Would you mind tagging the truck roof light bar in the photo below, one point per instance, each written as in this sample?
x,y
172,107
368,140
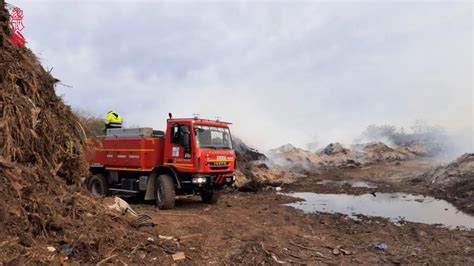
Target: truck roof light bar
x,y
201,119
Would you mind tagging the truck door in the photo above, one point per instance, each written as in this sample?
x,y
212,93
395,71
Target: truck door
x,y
180,154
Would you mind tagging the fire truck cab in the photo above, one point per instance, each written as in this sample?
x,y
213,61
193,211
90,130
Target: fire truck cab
x,y
194,156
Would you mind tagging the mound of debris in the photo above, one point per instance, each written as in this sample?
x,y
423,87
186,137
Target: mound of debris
x,y
336,155
375,152
454,181
335,148
45,216
296,159
255,172
245,153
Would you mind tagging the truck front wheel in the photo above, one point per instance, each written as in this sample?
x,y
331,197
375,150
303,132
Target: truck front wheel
x,y
210,196
98,185
164,192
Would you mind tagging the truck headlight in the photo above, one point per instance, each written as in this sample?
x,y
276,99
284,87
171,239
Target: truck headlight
x,y
199,180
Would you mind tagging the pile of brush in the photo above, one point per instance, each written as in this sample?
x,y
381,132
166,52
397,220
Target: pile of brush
x,y
45,214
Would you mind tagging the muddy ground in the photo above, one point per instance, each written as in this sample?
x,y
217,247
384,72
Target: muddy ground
x,y
254,228
388,176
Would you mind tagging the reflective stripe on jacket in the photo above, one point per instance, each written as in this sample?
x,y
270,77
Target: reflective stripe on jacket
x,y
113,118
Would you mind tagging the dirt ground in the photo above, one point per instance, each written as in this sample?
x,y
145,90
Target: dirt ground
x,y
389,176
254,228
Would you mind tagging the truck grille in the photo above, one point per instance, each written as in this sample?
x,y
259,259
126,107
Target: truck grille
x,y
219,165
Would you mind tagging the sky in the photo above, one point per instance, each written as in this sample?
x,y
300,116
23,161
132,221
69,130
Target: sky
x,y
280,71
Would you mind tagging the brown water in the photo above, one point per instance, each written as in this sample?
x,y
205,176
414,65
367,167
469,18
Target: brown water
x,y
394,206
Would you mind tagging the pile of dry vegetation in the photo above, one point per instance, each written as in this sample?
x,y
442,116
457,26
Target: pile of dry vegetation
x,y
44,213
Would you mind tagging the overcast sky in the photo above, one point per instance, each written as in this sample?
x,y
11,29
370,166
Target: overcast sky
x,y
281,72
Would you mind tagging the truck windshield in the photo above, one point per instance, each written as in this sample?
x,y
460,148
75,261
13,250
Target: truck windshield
x,y
213,137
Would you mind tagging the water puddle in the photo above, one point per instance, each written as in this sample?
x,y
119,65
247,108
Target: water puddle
x,y
352,183
395,206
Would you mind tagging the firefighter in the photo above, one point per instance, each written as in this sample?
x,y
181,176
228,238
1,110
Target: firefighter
x,y
113,120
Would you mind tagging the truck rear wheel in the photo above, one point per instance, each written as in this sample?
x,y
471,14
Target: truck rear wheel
x,y
210,196
98,185
164,192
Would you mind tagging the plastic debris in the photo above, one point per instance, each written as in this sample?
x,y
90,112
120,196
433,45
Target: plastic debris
x,y
51,249
142,220
379,246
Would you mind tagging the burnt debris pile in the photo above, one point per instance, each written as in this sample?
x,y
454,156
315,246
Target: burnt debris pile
x,y
453,181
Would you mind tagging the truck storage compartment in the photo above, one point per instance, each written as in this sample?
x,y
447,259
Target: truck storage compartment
x,y
137,149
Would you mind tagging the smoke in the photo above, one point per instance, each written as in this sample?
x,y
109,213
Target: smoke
x,y
281,72
436,141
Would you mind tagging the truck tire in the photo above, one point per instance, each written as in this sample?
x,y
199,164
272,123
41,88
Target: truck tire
x,y
164,192
210,197
98,185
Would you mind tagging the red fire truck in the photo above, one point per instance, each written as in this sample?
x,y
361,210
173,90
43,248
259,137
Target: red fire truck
x,y
195,156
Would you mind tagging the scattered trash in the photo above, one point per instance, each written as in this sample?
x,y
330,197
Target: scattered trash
x,y
142,221
150,239
123,207
179,256
379,246
278,188
51,249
